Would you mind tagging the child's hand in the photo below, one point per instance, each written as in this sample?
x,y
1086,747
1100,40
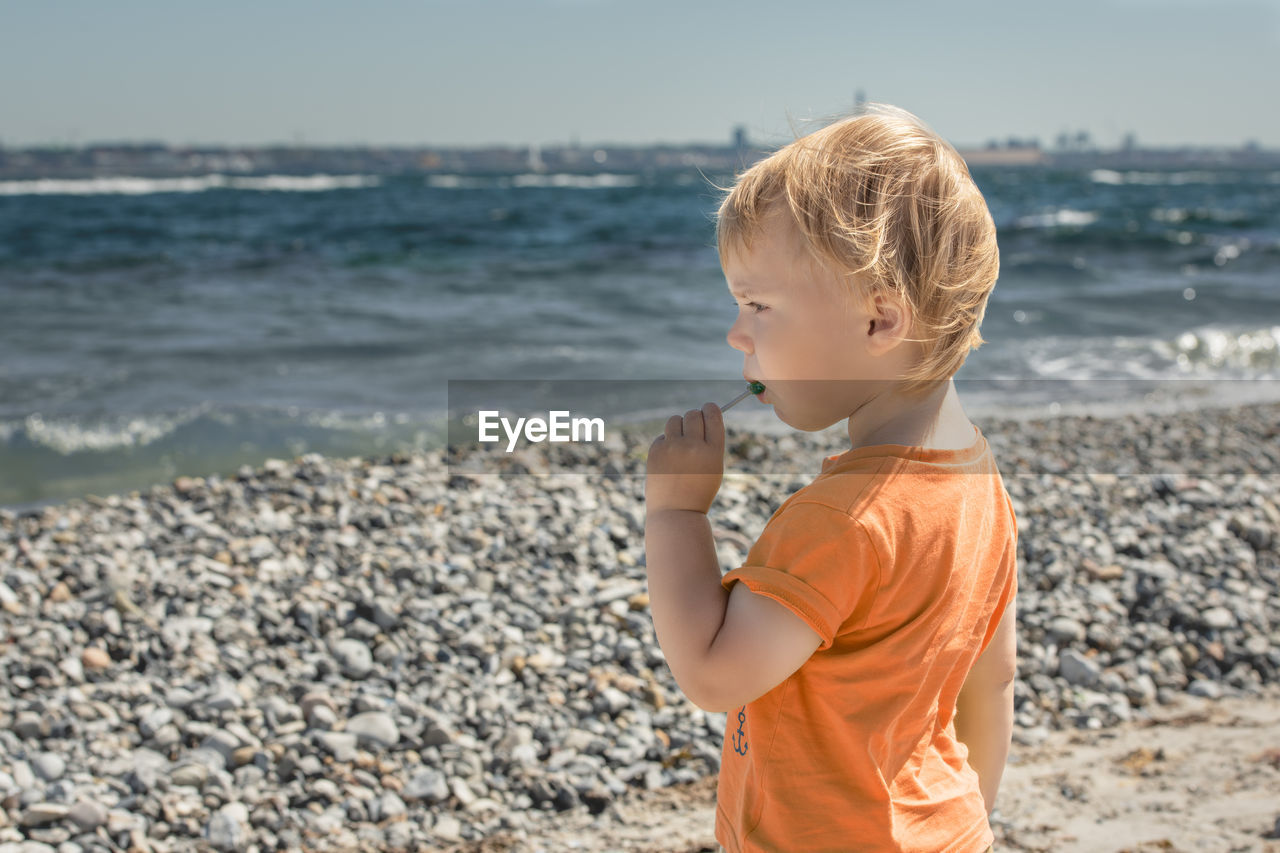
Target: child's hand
x,y
686,462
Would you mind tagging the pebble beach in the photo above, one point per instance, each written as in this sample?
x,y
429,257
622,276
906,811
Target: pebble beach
x,y
400,653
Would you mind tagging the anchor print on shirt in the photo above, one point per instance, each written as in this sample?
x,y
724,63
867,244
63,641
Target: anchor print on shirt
x,y
740,736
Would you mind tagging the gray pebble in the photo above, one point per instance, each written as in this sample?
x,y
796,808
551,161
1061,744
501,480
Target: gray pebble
x,y
376,728
1078,669
1064,631
341,745
1205,688
228,828
190,775
354,657
427,784
49,766
39,814
87,815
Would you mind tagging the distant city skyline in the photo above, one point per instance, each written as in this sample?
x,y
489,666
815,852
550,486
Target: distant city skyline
x,y
450,73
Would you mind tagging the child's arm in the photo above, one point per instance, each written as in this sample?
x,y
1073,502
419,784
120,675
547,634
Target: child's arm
x,y
984,708
724,650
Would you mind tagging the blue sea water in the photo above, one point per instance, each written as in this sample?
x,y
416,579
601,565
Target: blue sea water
x,y
158,327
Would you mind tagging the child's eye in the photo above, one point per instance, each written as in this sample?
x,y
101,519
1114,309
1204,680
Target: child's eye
x,y
755,307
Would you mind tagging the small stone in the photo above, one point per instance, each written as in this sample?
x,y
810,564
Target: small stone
x,y
87,815
29,724
22,775
155,720
224,743
1033,736
1205,688
228,828
354,657
73,668
310,701
147,769
388,806
243,755
1064,631
326,789
462,791
120,821
225,698
168,736
49,766
341,745
374,727
180,698
1219,618
190,775
447,828
1141,691
1078,669
95,658
322,717
427,784
1108,572
60,592
39,814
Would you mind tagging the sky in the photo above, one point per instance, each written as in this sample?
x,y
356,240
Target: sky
x,y
547,72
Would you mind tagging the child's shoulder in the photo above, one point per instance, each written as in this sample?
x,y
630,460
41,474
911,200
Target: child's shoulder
x,y
845,486
882,486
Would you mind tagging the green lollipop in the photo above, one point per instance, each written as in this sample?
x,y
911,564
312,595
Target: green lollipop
x,y
752,388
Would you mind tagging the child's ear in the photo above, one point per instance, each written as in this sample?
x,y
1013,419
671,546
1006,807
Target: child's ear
x,y
892,320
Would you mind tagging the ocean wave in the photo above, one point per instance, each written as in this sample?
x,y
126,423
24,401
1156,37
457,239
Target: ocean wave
x,y
454,182
204,183
1114,178
68,435
1207,352
1062,217
559,180
604,180
1224,352
1179,215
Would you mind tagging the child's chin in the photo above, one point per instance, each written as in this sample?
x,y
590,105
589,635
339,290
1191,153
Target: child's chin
x,y
802,423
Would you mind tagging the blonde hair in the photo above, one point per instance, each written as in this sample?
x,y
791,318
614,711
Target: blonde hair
x,y
882,197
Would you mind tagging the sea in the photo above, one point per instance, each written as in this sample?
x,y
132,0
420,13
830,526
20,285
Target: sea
x,y
154,328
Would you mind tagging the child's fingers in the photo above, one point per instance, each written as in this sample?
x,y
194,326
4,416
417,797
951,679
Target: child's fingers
x,y
675,427
693,426
714,419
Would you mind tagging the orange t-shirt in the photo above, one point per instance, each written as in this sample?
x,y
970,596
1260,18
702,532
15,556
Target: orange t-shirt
x,y
902,559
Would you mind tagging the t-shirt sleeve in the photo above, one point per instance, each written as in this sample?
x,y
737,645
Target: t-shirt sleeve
x,y
815,560
1007,580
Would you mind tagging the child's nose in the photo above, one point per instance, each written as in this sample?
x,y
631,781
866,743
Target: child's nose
x,y
738,339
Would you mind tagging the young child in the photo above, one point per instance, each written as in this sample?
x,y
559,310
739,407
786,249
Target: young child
x,y
865,651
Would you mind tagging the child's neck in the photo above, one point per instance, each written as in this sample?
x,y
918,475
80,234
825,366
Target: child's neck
x,y
936,421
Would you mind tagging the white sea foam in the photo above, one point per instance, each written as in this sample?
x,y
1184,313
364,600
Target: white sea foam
x,y
1110,176
204,183
305,183
1057,218
1230,353
1176,215
559,180
67,435
1207,352
603,180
